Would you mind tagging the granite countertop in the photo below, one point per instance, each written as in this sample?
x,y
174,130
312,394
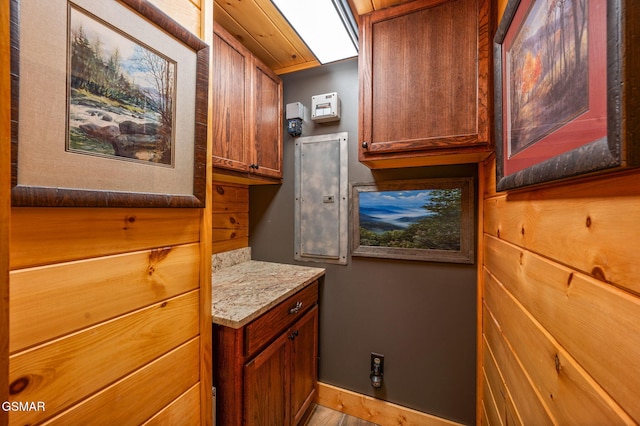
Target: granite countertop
x,y
244,291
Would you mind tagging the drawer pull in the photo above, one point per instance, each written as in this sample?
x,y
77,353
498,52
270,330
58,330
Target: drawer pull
x,y
296,308
293,335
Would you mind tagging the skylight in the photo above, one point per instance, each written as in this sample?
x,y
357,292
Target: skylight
x,y
326,26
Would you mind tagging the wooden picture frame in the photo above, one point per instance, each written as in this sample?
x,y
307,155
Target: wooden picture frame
x,y
565,113
109,106
422,219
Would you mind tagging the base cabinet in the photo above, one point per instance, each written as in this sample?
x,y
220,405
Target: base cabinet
x,y
267,386
280,382
304,364
266,372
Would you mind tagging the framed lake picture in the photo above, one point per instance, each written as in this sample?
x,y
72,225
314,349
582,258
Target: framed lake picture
x,y
566,74
110,107
426,219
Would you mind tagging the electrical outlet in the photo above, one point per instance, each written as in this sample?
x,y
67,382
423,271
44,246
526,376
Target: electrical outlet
x,y
377,360
377,369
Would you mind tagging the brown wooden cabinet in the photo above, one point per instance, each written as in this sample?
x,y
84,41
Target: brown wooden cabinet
x,y
246,112
266,372
304,364
424,84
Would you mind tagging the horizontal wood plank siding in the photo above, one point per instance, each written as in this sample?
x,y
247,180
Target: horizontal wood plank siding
x,y
565,387
586,227
229,197
140,395
589,318
43,236
527,400
493,388
108,305
102,288
180,412
490,406
65,371
561,301
230,219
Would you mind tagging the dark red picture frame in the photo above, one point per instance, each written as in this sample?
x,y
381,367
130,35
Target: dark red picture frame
x,y
602,138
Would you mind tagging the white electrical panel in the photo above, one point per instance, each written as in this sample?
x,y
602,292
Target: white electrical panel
x,y
325,108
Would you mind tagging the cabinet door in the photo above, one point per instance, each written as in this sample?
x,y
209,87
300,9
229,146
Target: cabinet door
x,y
266,385
424,77
266,137
230,81
304,368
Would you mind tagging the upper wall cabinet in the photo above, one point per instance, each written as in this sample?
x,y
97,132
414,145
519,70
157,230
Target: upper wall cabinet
x,y
424,84
247,114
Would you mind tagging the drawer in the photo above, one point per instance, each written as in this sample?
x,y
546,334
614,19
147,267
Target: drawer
x,y
272,323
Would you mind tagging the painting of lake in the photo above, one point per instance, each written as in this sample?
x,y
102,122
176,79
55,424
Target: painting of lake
x,y
121,94
423,219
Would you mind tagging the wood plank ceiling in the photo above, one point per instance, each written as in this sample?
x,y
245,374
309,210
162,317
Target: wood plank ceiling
x,y
260,27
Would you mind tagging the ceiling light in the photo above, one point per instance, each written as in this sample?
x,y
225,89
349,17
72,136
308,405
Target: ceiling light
x,y
326,26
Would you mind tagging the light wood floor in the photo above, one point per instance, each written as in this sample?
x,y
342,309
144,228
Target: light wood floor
x,y
323,416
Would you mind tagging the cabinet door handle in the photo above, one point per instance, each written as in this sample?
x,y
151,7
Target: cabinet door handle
x,y
296,308
293,335
365,145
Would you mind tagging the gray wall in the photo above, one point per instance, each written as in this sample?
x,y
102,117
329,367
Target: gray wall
x,y
420,315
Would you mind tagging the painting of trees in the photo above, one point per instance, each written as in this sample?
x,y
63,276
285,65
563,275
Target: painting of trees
x,y
160,95
437,229
547,61
417,219
100,75
121,94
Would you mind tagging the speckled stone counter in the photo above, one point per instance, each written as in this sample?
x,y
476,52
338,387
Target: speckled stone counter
x,y
243,292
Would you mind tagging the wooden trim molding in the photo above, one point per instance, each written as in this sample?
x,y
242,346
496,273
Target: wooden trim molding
x,y
373,409
206,342
5,203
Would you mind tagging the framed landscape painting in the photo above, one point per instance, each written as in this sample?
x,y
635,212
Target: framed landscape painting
x,y
564,79
427,219
110,106
121,94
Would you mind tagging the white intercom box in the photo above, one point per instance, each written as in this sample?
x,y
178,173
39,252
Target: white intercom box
x,y
294,110
325,108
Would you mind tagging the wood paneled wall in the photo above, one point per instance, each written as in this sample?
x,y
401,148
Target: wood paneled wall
x,y
560,277
5,202
230,216
109,308
560,301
